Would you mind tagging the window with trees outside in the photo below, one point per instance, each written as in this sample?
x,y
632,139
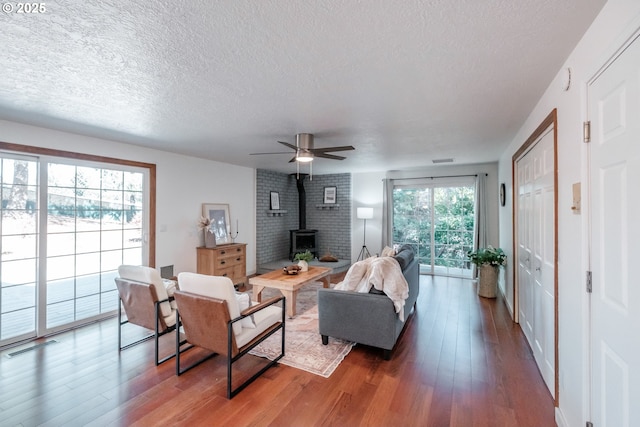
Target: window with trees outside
x,y
438,220
66,226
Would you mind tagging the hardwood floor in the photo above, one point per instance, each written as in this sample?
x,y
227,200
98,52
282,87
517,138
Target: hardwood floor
x,y
460,362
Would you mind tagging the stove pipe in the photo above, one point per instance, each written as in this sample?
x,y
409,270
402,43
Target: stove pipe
x,y
302,202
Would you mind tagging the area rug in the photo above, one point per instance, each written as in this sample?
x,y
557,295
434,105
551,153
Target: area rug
x,y
303,344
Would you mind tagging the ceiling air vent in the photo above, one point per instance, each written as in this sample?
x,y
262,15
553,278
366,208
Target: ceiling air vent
x,y
436,161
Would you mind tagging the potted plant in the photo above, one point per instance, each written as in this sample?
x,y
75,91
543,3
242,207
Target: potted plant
x,y
489,260
303,259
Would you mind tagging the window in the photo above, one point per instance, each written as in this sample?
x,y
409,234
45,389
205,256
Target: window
x,y
438,220
67,224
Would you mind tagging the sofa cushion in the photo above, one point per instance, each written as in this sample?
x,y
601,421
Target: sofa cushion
x,y
404,256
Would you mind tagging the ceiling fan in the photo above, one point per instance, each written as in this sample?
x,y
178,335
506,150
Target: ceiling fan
x,y
305,152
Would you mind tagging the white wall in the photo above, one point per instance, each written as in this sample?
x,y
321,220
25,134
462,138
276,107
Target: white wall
x,y
616,22
367,190
183,183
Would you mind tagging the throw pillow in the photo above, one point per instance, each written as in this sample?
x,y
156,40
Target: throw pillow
x,y
244,302
405,256
170,286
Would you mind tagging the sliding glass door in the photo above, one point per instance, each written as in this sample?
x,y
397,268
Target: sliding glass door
x,y
438,219
94,224
66,226
18,247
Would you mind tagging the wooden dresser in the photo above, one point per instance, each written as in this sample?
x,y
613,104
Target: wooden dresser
x,y
224,260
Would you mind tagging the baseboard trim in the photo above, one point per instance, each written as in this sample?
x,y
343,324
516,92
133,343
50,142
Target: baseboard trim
x,y
506,303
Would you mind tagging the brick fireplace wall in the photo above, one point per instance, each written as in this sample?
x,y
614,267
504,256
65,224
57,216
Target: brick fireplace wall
x,y
333,225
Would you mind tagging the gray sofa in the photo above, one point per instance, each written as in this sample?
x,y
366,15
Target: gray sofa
x,y
368,318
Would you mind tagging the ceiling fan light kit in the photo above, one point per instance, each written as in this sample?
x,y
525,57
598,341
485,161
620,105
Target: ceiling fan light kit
x,y
310,169
304,143
305,151
304,157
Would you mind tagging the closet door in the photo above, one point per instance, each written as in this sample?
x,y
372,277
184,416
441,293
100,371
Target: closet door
x,y
536,253
525,250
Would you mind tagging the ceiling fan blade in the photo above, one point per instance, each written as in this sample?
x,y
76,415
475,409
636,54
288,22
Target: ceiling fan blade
x,y
328,156
326,149
304,145
293,147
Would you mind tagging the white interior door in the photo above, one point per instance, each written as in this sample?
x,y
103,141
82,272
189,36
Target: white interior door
x,y
536,253
614,108
525,250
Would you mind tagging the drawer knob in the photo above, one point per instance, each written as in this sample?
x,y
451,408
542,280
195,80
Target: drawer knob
x,y
224,275
223,252
238,259
223,262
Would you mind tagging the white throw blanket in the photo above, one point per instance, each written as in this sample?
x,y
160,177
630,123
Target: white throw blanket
x,y
384,274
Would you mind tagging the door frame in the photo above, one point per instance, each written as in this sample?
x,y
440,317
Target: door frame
x,y
54,155
550,120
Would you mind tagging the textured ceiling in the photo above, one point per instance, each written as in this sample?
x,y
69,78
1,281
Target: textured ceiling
x,y
405,82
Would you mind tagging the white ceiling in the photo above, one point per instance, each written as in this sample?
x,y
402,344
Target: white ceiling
x,y
405,82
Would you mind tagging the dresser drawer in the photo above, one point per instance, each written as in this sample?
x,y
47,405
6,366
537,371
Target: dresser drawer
x,y
228,260
234,273
225,252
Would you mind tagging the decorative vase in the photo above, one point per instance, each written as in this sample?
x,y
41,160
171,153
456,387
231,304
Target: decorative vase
x,y
304,265
209,239
488,283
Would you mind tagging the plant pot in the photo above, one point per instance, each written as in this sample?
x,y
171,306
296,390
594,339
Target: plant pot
x,y
488,283
209,239
304,265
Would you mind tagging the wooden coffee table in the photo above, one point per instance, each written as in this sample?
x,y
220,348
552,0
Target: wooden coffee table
x,y
288,284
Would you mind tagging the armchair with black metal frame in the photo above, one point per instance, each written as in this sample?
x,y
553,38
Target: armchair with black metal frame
x,y
210,317
147,303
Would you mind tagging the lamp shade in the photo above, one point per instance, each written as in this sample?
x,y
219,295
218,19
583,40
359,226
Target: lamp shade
x,y
364,213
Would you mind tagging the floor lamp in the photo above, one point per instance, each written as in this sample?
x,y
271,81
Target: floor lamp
x,y
364,213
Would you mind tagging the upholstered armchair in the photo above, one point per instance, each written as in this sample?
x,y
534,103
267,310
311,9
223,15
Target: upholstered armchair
x,y
145,299
213,316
